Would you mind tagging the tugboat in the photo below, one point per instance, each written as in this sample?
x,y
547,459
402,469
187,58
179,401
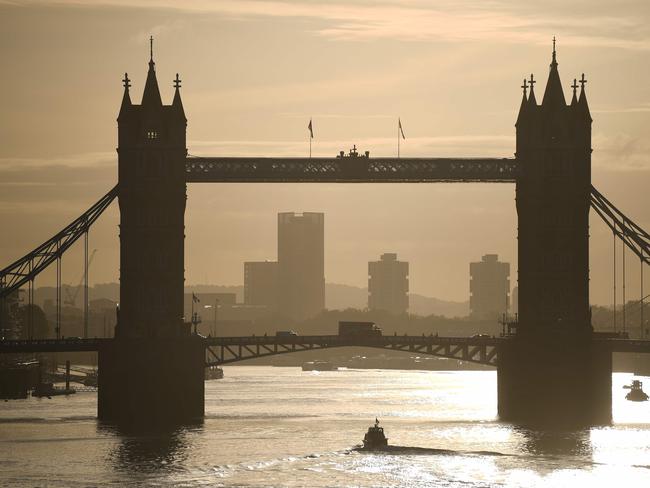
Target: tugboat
x,y
636,393
213,373
375,438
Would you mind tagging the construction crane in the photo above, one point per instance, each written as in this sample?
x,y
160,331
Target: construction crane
x,y
72,298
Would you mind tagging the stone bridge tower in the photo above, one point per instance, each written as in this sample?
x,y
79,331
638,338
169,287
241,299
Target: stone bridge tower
x,y
154,370
553,199
551,369
152,194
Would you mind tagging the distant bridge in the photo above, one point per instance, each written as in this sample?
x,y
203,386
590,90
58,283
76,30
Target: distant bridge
x,y
227,350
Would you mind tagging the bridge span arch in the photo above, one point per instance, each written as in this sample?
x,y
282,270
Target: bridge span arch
x,y
228,350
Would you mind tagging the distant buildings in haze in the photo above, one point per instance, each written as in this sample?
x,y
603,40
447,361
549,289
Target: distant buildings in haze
x,y
294,285
261,283
489,287
301,264
388,284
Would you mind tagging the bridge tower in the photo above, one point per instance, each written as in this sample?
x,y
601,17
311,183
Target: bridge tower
x,y
155,362
551,366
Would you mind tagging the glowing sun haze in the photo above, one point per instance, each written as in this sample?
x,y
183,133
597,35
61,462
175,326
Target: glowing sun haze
x,y
254,72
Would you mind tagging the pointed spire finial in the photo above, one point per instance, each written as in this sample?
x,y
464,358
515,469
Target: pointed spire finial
x,y
177,82
126,81
525,86
532,82
150,48
583,81
574,86
554,61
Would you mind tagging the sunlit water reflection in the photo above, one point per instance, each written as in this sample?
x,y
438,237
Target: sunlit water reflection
x,y
269,426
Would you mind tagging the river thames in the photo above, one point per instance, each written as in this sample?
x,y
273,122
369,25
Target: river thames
x,y
269,426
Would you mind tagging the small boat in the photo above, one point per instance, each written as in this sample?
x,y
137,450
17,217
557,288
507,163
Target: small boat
x,y
48,390
375,438
318,366
213,373
636,393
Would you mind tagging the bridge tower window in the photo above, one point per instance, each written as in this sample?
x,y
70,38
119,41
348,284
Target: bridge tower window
x,y
152,134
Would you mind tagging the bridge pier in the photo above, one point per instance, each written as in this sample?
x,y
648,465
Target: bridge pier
x,y
552,381
154,381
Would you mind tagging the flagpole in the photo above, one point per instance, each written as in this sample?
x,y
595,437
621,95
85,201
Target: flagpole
x,y
398,141
309,146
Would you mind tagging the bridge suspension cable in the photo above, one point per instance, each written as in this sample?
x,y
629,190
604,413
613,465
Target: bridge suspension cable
x,y
25,269
632,236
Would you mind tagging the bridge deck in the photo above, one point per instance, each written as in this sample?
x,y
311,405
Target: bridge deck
x,y
222,350
349,170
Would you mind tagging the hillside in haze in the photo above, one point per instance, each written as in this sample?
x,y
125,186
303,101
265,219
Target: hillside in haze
x,y
341,297
337,297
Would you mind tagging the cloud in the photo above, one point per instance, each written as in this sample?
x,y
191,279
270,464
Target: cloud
x,y
641,108
81,160
621,152
299,92
590,24
444,146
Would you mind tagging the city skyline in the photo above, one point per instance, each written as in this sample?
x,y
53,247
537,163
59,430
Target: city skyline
x,y
190,318
444,112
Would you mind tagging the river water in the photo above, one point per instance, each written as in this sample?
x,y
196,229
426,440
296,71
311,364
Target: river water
x,y
269,426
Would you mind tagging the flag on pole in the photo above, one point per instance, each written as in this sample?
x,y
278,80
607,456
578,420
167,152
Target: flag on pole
x,y
399,125
195,299
311,130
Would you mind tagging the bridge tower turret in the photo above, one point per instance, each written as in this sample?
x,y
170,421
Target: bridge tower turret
x,y
152,195
553,199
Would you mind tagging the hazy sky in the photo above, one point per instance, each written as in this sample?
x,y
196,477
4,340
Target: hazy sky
x,y
253,74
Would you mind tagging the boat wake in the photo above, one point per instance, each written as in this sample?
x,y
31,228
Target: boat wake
x,y
423,451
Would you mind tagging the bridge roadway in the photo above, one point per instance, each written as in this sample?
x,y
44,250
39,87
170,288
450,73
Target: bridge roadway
x,y
225,350
359,169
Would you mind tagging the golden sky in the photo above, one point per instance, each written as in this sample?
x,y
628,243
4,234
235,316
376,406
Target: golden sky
x,y
253,74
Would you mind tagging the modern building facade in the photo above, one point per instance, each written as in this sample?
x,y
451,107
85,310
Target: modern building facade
x,y
489,287
301,264
388,284
261,283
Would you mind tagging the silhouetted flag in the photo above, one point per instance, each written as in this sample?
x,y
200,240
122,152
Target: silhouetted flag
x,y
399,125
311,129
195,299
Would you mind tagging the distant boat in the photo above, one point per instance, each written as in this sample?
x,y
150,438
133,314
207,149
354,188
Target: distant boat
x,y
213,373
636,393
48,390
375,438
318,366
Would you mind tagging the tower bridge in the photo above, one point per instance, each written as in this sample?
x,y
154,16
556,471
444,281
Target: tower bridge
x,y
555,368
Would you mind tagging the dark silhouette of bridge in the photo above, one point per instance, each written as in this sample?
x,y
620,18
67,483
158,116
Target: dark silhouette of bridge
x,y
553,367
227,350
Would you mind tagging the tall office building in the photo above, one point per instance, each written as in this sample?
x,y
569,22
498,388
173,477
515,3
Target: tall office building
x,y
388,284
489,287
301,264
261,283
